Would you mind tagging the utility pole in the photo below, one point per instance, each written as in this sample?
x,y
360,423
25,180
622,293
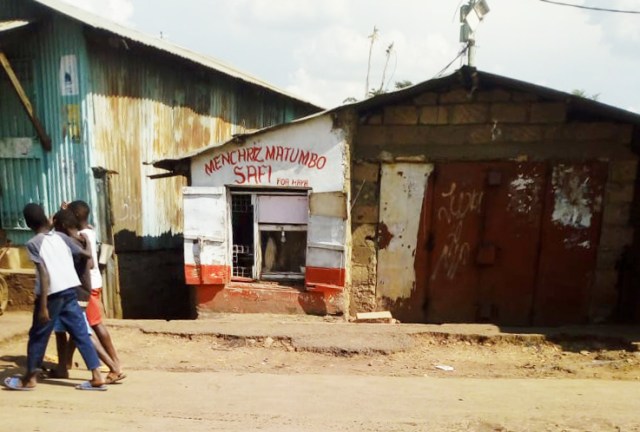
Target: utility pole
x,y
471,14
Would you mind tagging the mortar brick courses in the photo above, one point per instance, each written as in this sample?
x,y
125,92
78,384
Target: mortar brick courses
x,y
517,96
522,133
434,115
509,112
496,95
456,96
605,131
481,134
428,98
401,115
548,112
474,113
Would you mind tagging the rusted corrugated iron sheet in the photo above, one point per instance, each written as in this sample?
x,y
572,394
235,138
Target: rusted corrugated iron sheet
x,y
38,60
150,109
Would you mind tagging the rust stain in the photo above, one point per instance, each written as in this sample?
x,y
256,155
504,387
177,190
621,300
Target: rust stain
x,y
147,112
384,236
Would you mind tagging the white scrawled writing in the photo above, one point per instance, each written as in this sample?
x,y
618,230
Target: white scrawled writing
x,y
457,206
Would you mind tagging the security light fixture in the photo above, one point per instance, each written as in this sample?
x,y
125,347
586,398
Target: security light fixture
x,y
471,14
481,8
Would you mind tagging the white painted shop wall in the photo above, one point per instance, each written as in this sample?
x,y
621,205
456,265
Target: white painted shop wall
x,y
309,154
306,154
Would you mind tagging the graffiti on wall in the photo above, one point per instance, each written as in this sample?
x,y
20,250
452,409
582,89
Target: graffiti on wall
x,y
254,165
457,206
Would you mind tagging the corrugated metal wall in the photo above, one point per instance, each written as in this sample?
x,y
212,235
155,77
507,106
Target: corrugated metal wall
x,y
148,106
15,9
62,174
67,165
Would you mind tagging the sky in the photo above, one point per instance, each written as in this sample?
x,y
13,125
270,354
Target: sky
x,y
319,49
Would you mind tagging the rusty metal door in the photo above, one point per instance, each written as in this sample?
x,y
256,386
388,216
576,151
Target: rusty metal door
x,y
458,195
484,241
570,237
508,252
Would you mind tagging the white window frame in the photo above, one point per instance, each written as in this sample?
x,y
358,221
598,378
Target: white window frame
x,y
258,227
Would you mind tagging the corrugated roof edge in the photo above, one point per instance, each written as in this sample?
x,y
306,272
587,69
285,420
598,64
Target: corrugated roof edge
x,y
463,75
98,22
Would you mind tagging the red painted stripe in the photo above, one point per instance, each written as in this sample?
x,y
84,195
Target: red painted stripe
x,y
192,274
325,276
207,274
215,274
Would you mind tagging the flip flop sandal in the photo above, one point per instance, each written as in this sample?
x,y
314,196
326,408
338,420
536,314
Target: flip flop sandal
x,y
86,385
118,378
15,383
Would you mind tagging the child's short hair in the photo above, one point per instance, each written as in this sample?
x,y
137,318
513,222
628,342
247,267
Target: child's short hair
x,y
65,219
34,216
80,209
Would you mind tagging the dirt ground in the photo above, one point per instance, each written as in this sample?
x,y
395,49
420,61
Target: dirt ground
x,y
469,357
233,383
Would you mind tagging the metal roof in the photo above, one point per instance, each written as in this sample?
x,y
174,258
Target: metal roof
x,y
97,22
471,77
12,24
465,76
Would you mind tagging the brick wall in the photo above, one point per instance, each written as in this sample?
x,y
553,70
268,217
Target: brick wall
x,y
495,124
364,223
616,236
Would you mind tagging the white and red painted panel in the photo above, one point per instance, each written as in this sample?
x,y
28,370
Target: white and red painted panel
x,y
309,154
326,238
206,245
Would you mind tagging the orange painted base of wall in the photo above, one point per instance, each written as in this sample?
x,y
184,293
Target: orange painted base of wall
x,y
239,297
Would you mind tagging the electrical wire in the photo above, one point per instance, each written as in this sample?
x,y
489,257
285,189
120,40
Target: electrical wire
x,y
591,7
395,67
460,54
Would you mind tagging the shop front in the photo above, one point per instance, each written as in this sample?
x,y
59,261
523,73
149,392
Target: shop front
x,y
265,221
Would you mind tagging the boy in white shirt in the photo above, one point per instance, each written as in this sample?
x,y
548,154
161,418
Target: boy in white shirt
x,y
56,282
94,309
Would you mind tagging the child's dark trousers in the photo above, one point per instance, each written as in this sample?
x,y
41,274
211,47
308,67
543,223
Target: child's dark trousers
x,y
62,305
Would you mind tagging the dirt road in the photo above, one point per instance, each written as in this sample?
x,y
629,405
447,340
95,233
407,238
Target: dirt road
x,y
199,383
205,401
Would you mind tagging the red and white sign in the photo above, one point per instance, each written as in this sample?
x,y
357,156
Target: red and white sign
x,y
310,154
